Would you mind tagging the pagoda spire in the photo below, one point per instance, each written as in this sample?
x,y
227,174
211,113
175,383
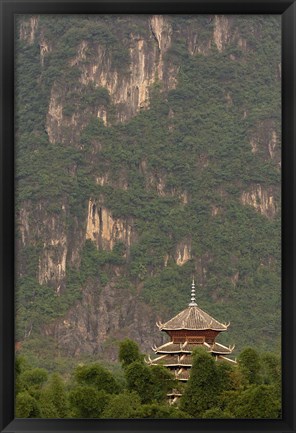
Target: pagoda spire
x,y
192,303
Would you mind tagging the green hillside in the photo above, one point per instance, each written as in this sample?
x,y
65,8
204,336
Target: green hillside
x,y
195,170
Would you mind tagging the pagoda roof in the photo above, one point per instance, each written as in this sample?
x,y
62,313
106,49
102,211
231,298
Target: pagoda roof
x,y
225,358
172,360
193,319
183,361
172,349
219,348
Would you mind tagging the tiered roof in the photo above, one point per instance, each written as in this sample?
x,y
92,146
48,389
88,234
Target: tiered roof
x,y
193,318
181,355
176,348
178,356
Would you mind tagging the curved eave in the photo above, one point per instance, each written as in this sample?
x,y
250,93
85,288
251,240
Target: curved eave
x,y
180,365
193,329
167,352
228,359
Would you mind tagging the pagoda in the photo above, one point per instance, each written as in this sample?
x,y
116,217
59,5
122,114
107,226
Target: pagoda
x,y
189,329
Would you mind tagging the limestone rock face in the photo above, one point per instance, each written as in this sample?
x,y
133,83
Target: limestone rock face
x,y
111,93
103,315
183,253
222,31
27,29
265,139
38,227
261,200
106,230
129,90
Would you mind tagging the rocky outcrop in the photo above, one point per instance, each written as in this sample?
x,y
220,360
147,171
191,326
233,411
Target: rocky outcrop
x,y
23,225
52,262
162,31
49,232
28,28
183,253
112,311
129,90
105,230
265,140
60,127
45,48
157,181
222,33
261,200
109,312
215,210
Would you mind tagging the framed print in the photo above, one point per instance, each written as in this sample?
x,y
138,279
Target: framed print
x,y
147,216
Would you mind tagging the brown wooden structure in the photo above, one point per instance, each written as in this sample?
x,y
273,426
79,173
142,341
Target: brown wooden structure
x,y
189,329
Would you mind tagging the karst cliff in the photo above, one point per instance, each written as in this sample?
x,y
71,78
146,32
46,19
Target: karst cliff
x,y
148,150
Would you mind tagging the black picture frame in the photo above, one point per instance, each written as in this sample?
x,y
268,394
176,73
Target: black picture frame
x,y
287,10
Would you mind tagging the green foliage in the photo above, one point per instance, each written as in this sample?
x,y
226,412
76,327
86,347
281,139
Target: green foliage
x,y
271,368
249,364
129,352
164,382
139,379
194,142
37,304
227,376
97,376
215,390
203,388
26,406
125,405
93,262
87,402
54,399
257,401
159,411
33,379
151,383
217,413
19,367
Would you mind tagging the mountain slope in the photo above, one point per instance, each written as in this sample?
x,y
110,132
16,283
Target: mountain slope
x,y
148,150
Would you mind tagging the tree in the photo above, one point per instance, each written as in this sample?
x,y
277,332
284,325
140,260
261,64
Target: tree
x,y
158,411
258,401
139,378
54,396
203,387
87,402
124,405
27,406
34,378
96,376
249,365
227,376
217,413
271,368
163,382
129,352
20,366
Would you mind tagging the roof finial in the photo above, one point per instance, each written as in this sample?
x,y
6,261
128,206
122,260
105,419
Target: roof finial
x,y
192,303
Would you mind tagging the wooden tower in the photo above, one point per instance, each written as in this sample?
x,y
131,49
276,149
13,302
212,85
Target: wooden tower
x,y
189,329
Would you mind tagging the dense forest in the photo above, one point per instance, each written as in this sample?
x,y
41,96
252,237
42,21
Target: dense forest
x,y
215,390
147,152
